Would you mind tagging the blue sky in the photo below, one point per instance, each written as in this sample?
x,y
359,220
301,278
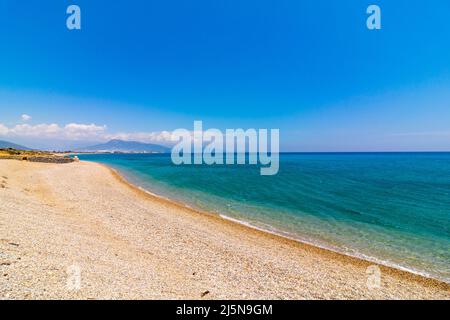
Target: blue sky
x,y
310,68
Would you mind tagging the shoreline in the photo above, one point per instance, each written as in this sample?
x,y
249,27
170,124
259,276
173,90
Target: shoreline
x,y
369,260
129,244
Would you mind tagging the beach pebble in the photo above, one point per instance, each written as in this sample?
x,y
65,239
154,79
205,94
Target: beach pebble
x,y
204,293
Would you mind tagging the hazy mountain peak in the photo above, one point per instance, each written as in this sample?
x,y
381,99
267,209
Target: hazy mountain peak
x,y
6,145
116,145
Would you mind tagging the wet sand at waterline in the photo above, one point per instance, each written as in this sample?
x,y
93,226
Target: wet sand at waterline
x,y
80,231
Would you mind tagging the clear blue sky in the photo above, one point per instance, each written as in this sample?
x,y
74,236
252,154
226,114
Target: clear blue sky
x,y
310,68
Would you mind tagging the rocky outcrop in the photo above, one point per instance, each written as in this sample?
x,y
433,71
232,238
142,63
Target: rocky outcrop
x,y
49,159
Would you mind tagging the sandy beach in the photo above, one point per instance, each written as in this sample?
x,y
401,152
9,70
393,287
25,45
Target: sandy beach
x,y
60,221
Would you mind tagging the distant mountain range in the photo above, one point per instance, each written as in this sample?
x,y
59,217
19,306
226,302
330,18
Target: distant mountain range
x,y
6,145
126,147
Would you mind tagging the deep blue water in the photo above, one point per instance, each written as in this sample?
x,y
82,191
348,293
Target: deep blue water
x,y
390,207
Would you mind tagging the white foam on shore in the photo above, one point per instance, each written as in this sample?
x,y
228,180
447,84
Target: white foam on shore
x,y
361,256
152,194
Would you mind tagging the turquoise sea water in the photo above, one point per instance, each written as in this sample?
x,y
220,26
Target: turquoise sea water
x,y
392,208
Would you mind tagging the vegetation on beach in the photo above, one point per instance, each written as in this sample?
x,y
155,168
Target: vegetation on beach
x,y
15,153
33,156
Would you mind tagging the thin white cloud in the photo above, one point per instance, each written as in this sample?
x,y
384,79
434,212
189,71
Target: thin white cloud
x,y
72,131
40,130
161,136
3,130
423,134
25,117
76,131
79,132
